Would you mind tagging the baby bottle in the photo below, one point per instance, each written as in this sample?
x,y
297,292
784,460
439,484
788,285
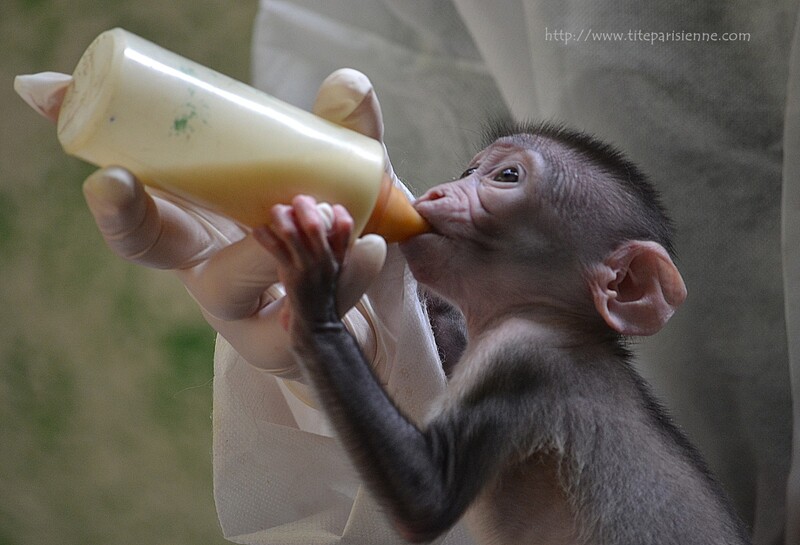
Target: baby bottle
x,y
219,143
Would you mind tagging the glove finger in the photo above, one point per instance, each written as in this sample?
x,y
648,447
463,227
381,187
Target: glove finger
x,y
44,92
347,98
260,339
231,284
148,229
361,267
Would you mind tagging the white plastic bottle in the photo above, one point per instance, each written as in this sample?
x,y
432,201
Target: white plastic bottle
x,y
215,141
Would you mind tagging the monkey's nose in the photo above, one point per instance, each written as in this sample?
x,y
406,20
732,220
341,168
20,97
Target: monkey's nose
x,y
432,194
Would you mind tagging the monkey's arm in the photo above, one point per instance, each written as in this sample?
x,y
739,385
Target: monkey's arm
x,y
426,478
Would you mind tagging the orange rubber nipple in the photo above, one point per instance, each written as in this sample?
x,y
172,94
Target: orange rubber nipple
x,y
393,217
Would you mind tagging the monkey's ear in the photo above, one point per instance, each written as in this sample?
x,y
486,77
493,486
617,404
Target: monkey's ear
x,y
637,288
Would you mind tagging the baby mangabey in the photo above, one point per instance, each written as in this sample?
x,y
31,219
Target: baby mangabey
x,y
555,248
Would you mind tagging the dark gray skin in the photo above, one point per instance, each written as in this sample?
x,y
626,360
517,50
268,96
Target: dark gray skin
x,y
448,326
555,249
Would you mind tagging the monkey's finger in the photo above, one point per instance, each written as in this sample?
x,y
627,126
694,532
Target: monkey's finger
x,y
313,230
340,233
232,283
347,98
287,237
147,230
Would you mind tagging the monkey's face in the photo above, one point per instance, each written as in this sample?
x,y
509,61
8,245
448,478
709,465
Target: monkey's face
x,y
491,224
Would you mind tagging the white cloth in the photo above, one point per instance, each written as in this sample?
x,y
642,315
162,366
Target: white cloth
x,y
714,123
279,477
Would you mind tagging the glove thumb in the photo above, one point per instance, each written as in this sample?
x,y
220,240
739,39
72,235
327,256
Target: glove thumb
x,y
347,98
362,265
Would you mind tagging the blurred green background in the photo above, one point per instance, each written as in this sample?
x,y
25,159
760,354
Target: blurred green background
x,y
105,367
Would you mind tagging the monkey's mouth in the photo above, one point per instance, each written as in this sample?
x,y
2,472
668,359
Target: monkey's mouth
x,y
432,220
448,217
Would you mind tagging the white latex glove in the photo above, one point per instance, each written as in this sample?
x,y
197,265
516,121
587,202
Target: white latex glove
x,y
354,105
44,92
226,270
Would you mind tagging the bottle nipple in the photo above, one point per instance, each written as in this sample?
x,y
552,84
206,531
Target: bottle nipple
x,y
394,218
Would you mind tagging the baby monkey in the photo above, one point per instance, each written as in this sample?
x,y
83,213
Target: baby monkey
x,y
555,248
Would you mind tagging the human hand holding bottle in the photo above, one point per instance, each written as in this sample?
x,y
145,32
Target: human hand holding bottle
x,y
226,270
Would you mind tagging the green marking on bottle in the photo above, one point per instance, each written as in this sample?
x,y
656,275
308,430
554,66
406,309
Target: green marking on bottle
x,y
181,123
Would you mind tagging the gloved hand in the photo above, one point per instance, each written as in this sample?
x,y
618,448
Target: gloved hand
x,y
226,270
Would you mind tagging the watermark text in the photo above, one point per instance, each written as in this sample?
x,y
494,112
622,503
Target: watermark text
x,y
641,36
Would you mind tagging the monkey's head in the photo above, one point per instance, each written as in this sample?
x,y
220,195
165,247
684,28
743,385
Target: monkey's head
x,y
554,220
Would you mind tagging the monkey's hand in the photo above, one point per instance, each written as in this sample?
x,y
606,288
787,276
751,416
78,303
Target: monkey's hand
x,y
311,250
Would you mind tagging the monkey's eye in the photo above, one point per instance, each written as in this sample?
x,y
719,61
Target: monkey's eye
x,y
467,173
508,175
